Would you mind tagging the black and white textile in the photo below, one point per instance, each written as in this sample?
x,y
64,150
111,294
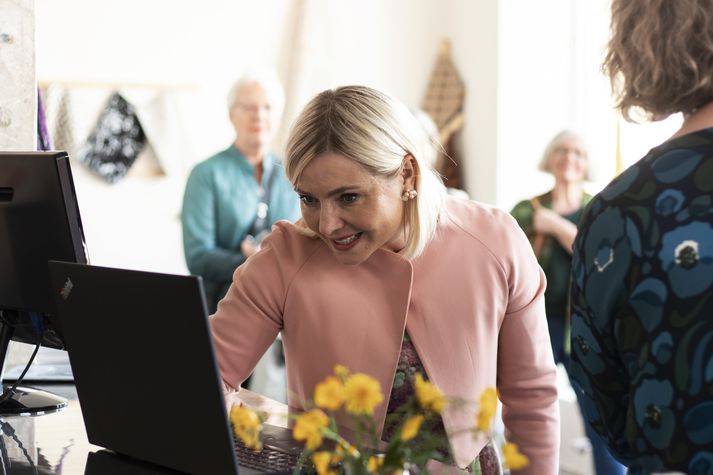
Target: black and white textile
x,y
115,142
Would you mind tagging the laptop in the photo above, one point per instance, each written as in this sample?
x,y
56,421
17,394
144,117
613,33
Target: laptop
x,y
146,375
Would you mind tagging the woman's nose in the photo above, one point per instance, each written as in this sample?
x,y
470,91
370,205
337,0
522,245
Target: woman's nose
x,y
329,221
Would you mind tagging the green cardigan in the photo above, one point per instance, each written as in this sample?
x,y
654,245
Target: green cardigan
x,y
554,259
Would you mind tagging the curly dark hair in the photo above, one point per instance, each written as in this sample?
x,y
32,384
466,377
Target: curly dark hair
x,y
660,56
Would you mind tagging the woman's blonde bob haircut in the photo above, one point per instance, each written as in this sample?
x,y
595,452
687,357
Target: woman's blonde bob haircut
x,y
376,131
660,56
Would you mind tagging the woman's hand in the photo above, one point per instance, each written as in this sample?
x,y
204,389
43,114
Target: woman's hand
x,y
548,222
248,248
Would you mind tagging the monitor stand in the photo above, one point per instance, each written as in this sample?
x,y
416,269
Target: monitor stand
x,y
24,400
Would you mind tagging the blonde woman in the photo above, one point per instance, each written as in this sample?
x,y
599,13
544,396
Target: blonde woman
x,y
387,275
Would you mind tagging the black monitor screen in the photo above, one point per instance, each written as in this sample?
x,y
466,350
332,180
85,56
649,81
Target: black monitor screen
x,y
39,221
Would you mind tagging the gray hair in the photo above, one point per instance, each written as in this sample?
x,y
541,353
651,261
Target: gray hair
x,y
376,131
267,80
555,142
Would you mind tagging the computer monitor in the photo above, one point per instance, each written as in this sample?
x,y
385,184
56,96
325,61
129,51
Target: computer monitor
x,y
39,221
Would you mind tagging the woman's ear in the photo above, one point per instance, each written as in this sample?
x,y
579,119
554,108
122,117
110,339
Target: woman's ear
x,y
409,171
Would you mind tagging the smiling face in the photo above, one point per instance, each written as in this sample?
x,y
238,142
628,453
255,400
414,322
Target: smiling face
x,y
353,210
568,161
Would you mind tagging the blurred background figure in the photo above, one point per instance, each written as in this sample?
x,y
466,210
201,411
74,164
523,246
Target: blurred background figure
x,y
233,198
550,222
642,286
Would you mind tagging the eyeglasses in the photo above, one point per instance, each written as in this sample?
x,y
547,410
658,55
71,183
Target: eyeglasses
x,y
252,108
578,152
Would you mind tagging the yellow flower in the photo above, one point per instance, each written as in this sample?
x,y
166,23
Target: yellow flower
x,y
247,426
341,371
329,394
362,394
345,448
488,407
309,427
337,456
321,461
374,463
514,460
428,395
411,427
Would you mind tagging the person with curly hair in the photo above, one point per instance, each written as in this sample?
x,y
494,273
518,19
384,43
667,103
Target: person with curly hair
x,y
642,268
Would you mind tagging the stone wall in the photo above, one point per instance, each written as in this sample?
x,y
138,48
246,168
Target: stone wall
x,y
18,94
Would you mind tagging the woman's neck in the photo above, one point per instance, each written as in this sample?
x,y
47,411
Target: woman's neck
x,y
698,120
566,197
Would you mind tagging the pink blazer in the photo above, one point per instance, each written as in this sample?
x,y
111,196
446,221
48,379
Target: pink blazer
x,y
472,304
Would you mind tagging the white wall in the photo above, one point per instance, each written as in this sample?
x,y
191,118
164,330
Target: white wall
x,y
196,50
530,68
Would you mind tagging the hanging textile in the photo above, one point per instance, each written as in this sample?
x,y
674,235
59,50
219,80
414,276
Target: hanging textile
x,y
115,142
161,119
59,117
43,137
63,133
443,102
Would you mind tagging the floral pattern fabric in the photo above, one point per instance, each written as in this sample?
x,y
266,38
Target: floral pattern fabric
x,y
409,364
115,142
642,310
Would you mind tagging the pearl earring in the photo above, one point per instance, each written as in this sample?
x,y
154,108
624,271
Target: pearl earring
x,y
409,195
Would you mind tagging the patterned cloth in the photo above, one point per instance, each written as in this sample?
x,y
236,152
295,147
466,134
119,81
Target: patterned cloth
x,y
43,137
642,316
116,141
409,364
60,118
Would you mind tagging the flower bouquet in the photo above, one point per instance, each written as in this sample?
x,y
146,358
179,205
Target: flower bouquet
x,y
410,446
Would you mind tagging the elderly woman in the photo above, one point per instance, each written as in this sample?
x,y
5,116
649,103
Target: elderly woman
x,y
385,274
642,287
235,196
550,222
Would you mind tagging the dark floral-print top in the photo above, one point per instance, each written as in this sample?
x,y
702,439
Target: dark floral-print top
x,y
409,364
642,309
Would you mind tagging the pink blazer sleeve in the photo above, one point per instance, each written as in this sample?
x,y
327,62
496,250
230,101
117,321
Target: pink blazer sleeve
x,y
527,376
249,318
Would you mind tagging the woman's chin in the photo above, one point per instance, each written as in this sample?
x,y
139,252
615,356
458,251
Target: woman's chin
x,y
350,258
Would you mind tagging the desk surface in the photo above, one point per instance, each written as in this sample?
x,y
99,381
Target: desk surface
x,y
56,444
53,443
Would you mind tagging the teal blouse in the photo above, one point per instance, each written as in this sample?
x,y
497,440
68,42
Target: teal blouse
x,y
219,207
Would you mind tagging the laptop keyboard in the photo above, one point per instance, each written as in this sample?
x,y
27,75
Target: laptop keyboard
x,y
269,459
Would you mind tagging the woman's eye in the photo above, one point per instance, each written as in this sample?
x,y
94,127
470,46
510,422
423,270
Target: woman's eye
x,y
349,197
307,200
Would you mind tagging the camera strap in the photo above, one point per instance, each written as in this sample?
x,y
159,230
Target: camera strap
x,y
261,223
